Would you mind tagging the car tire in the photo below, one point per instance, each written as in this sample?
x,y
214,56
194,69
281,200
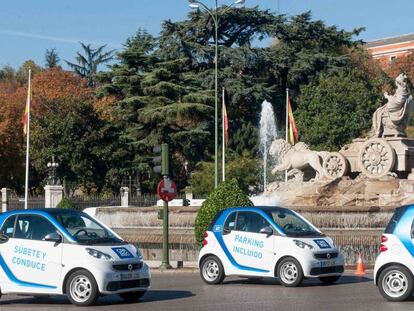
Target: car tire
x,y
212,271
329,279
289,272
81,288
132,296
395,283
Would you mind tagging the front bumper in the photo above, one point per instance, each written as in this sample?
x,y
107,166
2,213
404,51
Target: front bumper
x,y
120,281
315,267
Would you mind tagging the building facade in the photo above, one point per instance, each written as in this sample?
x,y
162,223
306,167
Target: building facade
x,y
388,50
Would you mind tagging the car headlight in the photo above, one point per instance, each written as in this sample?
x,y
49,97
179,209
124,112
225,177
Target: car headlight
x,y
98,254
302,244
139,255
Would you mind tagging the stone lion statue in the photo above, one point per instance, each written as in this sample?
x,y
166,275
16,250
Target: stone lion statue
x,y
391,119
296,158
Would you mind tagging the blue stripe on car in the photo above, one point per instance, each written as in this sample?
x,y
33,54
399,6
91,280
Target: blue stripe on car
x,y
220,222
403,229
15,280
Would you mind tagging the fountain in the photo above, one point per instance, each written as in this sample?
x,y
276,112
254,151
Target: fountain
x,y
268,133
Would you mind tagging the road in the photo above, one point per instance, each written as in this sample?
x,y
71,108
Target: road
x,y
185,291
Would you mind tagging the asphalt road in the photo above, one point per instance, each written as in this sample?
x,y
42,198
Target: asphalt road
x,y
185,291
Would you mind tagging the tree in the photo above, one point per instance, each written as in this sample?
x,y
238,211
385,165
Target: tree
x,y
87,64
227,194
7,73
51,58
243,168
22,73
11,135
337,108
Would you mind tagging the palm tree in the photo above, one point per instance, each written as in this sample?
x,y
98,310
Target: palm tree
x,y
87,65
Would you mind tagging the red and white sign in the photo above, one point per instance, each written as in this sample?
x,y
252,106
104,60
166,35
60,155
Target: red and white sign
x,y
167,190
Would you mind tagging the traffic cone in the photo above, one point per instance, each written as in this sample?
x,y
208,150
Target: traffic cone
x,y
360,269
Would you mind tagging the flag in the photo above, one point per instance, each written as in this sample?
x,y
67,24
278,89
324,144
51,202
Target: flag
x,y
225,124
293,131
26,111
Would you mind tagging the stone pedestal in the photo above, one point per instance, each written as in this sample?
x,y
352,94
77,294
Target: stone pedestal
x,y
5,194
124,196
53,195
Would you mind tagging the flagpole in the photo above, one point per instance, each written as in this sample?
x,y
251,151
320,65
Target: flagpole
x,y
223,138
287,122
26,187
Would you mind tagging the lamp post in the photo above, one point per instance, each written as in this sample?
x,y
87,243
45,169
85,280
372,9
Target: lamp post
x,y
52,172
195,4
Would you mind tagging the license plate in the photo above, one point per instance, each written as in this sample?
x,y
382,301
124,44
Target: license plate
x,y
327,263
129,276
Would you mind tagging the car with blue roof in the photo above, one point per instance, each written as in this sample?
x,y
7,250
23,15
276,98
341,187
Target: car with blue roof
x,y
394,267
268,242
67,252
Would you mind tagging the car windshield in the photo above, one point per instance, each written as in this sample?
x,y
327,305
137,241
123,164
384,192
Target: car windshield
x,y
84,229
292,224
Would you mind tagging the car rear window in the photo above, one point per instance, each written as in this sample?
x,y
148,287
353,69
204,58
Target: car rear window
x,y
395,219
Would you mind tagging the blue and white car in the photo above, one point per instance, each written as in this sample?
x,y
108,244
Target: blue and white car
x,y
394,267
66,252
267,242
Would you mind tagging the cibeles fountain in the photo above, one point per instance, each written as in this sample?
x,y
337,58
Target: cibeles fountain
x,y
376,170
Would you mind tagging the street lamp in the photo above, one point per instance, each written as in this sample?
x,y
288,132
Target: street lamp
x,y
195,4
52,166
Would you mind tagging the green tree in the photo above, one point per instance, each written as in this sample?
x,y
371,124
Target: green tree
x,y
51,58
337,108
23,71
227,194
243,168
87,64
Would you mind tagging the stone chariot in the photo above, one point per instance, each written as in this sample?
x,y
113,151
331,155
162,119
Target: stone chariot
x,y
386,150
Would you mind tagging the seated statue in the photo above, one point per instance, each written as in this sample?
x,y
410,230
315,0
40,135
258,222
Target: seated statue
x,y
391,119
296,158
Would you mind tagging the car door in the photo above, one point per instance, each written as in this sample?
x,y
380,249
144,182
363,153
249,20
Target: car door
x,y
250,251
30,263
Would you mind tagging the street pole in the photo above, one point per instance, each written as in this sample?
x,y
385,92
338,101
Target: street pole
x,y
195,5
216,100
165,167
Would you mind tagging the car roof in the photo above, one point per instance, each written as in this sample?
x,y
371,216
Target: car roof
x,y
263,208
52,211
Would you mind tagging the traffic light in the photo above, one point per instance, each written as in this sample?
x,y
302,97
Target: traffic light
x,y
161,160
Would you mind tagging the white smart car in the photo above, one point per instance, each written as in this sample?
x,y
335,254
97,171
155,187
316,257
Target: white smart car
x,y
394,267
66,252
267,242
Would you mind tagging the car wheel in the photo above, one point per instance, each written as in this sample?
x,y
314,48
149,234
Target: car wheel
x,y
132,296
81,288
211,270
329,279
395,283
290,272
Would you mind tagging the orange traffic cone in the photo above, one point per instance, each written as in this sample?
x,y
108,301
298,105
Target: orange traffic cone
x,y
360,269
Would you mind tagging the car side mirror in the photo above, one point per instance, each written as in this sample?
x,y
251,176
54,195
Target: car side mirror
x,y
53,237
226,231
3,238
267,230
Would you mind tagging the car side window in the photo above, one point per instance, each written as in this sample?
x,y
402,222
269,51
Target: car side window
x,y
8,226
230,223
33,227
250,222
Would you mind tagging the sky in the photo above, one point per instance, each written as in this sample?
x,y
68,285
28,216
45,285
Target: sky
x,y
29,27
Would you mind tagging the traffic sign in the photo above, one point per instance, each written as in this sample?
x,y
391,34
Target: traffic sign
x,y
167,190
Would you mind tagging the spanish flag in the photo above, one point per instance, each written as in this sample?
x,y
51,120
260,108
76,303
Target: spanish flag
x,y
26,111
225,125
293,130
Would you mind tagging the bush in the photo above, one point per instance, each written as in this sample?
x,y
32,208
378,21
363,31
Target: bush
x,y
66,203
227,194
